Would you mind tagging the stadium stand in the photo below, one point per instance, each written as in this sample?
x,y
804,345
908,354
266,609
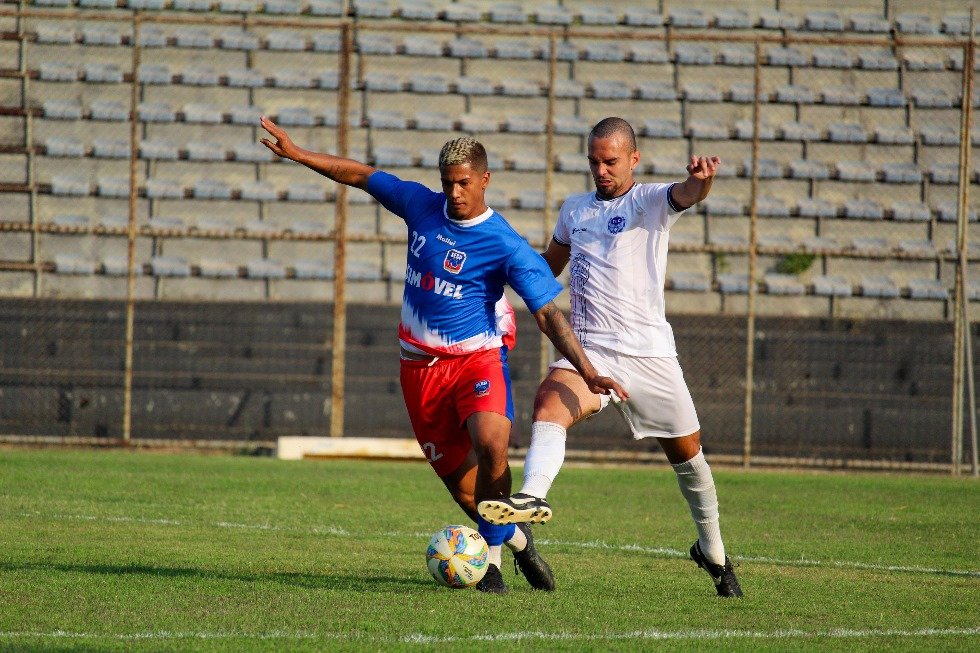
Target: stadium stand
x,y
823,107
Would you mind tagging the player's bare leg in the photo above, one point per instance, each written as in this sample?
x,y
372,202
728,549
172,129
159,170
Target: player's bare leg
x,y
563,398
462,485
698,487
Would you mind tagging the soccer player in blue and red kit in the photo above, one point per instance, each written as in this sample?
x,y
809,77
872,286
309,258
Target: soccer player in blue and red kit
x,y
453,334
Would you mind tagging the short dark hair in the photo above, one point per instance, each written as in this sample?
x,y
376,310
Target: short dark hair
x,y
609,127
464,150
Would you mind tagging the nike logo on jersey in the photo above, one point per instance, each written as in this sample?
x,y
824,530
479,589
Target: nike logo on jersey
x,y
432,283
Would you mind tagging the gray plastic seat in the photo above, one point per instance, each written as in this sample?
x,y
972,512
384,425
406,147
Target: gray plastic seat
x,y
662,128
199,75
159,149
808,169
238,39
193,37
71,263
846,132
783,284
864,209
245,78
397,157
694,54
198,150
111,110
259,191
690,282
211,189
733,283
927,289
108,186
291,41
56,71
162,188
202,112
110,148
155,73
306,192
879,285
831,286
62,109
263,268
525,124
170,266
387,119
815,208
253,152
911,211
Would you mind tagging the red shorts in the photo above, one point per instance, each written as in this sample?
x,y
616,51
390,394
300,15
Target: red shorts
x,y
440,397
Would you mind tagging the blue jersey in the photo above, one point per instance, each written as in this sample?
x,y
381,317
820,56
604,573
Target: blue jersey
x,y
456,270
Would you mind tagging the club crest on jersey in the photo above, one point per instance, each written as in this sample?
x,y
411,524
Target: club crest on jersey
x,y
454,261
616,224
481,388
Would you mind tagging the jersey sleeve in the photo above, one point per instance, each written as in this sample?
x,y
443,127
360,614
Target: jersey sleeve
x,y
561,234
395,194
531,278
657,202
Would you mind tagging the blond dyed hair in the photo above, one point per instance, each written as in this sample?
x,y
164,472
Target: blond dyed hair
x,y
464,151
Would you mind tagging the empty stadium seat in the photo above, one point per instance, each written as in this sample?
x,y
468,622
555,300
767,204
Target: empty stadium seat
x,y
211,189
910,211
70,263
816,208
865,209
879,285
265,269
258,191
169,266
690,281
108,186
162,188
313,269
783,284
733,283
855,171
831,286
217,268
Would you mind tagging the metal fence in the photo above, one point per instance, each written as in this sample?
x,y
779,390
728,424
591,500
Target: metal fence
x,y
130,175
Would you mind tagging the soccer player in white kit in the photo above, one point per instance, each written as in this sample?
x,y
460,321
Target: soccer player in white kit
x,y
616,242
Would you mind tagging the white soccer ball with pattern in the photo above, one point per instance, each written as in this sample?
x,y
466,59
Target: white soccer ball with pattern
x,y
457,556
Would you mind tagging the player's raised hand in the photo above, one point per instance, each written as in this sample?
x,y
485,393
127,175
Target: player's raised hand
x,y
283,143
703,167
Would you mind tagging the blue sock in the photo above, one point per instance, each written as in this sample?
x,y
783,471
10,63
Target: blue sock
x,y
494,535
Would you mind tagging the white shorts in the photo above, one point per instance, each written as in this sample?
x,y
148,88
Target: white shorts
x,y
660,404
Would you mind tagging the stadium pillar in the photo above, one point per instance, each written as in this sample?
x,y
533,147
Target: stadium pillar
x,y
547,216
753,237
963,333
127,425
339,353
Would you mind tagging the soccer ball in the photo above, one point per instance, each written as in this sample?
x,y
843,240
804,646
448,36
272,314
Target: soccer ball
x,y
457,556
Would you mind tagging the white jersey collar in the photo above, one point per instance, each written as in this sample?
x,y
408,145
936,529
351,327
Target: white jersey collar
x,y
472,222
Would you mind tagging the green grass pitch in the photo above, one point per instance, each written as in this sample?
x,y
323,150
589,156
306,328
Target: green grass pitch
x,y
115,550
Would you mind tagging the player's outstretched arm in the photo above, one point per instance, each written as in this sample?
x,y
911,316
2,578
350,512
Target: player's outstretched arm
x,y
341,170
553,324
701,172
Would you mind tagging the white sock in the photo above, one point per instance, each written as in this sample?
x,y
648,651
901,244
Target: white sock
x,y
544,458
494,557
698,487
517,541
